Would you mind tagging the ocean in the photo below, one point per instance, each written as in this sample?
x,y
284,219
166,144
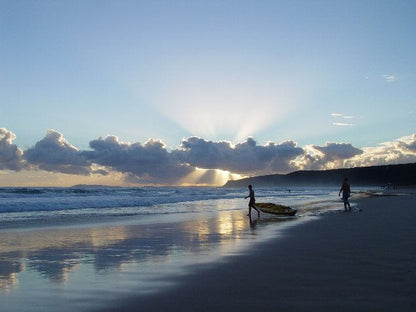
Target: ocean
x,y
83,247
40,206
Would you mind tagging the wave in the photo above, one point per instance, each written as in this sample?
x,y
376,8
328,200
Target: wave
x,y
85,202
51,199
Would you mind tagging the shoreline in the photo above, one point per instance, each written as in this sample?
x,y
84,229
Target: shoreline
x,y
89,266
363,261
196,262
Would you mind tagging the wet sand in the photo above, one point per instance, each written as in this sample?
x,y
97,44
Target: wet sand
x,y
358,261
89,266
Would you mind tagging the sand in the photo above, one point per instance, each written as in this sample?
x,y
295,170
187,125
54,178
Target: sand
x,y
358,261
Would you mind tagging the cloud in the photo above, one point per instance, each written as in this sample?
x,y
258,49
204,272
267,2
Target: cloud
x,y
244,158
147,163
342,116
10,154
331,155
100,172
54,153
337,151
402,150
195,161
389,78
407,144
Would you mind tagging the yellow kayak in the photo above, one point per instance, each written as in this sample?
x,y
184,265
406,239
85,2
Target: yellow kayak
x,y
276,209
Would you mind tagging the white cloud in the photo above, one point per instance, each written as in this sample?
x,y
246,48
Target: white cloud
x,y
10,154
339,116
402,150
407,144
342,124
389,78
335,155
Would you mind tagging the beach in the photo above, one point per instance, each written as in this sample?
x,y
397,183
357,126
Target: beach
x,y
207,255
358,261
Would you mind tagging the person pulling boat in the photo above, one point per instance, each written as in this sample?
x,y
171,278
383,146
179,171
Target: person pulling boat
x,y
252,201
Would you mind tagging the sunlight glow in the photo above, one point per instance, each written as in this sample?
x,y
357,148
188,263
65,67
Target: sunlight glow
x,y
229,224
224,105
8,282
208,177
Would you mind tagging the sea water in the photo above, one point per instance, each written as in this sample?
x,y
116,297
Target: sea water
x,y
40,206
81,248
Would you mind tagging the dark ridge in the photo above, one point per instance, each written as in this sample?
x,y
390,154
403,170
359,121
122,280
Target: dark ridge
x,y
395,175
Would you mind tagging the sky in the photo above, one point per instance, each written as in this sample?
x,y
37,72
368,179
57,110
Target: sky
x,y
199,92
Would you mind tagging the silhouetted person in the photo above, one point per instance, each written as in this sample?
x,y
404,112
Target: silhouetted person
x,y
252,201
346,192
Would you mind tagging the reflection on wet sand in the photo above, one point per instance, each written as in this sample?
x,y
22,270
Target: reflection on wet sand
x,y
57,253
216,230
8,280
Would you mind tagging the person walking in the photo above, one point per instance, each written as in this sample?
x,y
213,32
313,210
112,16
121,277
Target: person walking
x,y
252,201
346,193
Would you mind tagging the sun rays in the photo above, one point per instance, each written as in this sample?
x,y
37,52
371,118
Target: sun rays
x,y
208,177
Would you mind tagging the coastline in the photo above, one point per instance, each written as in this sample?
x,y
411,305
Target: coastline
x,y
216,259
87,266
360,261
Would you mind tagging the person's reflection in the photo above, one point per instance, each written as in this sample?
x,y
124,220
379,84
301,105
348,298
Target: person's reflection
x,y
253,222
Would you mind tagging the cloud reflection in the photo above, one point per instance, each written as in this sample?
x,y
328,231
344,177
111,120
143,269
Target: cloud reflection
x,y
56,254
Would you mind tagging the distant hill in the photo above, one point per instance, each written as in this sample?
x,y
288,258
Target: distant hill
x,y
92,186
365,176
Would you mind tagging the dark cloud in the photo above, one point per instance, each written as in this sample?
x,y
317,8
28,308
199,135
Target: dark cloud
x,y
54,153
337,151
331,155
100,172
244,158
10,154
150,162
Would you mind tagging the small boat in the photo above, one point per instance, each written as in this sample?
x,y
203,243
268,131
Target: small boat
x,y
276,209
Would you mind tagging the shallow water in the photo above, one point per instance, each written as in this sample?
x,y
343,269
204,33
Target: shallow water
x,y
85,266
83,258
